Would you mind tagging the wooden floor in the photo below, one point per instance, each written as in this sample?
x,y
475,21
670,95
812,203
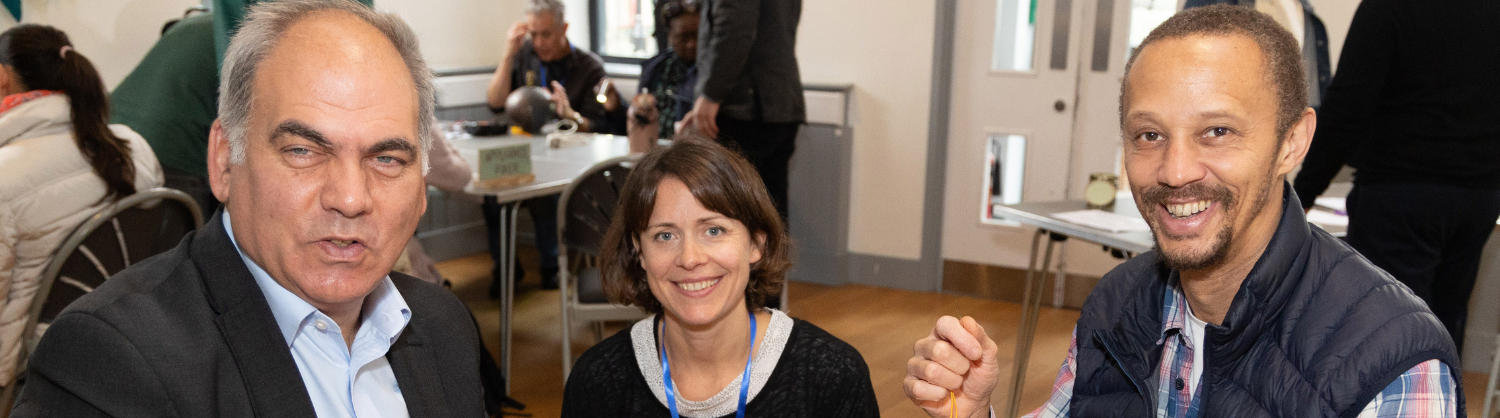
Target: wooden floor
x,y
881,323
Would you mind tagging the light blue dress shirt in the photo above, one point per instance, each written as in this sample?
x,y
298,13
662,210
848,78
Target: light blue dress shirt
x,y
342,380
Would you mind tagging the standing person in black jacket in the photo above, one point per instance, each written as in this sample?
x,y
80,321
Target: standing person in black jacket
x,y
1243,309
1413,109
749,89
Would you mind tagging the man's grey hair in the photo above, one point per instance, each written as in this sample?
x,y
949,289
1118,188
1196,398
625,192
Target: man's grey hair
x,y
261,32
550,6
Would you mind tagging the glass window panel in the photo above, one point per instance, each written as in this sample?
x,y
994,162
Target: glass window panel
x,y
1015,35
625,28
1005,166
1146,15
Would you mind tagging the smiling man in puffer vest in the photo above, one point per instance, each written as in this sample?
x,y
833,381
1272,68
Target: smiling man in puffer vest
x,y
1243,309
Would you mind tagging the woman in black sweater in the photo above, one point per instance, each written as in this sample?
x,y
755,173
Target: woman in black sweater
x,y
697,242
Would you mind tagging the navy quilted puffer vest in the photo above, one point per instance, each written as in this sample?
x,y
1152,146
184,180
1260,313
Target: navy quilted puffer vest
x,y
1314,331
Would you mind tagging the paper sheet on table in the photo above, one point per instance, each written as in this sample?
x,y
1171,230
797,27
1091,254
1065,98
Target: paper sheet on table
x,y
1335,203
1323,217
1108,221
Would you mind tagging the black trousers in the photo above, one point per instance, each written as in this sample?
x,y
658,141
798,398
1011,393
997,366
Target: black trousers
x,y
1429,236
768,146
543,217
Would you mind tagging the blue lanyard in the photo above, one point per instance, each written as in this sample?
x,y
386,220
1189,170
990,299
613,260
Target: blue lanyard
x,y
543,66
666,374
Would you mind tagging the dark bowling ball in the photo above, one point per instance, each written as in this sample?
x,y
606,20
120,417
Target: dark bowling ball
x,y
529,108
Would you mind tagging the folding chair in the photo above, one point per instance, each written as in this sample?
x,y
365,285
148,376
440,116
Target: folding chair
x,y
586,208
133,228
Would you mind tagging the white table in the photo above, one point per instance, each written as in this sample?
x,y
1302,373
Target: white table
x,y
555,169
1127,244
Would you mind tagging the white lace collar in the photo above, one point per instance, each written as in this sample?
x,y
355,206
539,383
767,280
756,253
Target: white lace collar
x,y
642,336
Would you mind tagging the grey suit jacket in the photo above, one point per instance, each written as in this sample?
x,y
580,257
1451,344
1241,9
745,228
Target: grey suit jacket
x,y
187,333
747,59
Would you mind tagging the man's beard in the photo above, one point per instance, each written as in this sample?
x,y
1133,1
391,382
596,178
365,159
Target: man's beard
x,y
1196,262
1154,197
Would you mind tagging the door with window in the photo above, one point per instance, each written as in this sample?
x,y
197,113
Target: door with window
x,y
1034,110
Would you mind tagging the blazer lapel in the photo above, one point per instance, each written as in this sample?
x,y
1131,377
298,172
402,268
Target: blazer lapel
x,y
272,380
415,370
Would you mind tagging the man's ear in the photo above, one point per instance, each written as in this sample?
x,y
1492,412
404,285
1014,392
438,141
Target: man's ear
x,y
1298,139
218,161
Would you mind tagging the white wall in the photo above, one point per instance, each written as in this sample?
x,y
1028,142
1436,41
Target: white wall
x,y
458,33
113,34
883,47
471,33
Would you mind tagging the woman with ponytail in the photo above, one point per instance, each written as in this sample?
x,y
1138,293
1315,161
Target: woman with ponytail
x,y
60,162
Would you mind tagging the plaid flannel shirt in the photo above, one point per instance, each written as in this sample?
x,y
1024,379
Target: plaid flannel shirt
x,y
1424,391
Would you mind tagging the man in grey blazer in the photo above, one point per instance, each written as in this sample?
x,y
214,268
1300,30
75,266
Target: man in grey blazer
x,y
750,91
284,304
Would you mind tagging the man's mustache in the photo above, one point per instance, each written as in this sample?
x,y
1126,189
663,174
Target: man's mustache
x,y
1161,195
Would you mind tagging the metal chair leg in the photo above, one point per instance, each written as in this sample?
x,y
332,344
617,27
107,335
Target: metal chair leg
x,y
786,306
508,288
564,284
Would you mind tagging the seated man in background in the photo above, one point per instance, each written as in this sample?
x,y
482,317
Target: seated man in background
x,y
1243,309
667,80
539,45
171,98
284,304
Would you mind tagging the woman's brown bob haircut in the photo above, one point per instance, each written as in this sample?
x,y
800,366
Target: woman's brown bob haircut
x,y
723,182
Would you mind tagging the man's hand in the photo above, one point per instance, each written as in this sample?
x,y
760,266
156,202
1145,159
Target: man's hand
x,y
565,110
959,358
560,102
702,117
515,37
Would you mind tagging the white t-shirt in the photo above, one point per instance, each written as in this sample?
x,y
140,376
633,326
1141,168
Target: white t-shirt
x,y
1195,330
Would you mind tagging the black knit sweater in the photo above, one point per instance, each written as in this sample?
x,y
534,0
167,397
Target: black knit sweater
x,y
1414,99
818,375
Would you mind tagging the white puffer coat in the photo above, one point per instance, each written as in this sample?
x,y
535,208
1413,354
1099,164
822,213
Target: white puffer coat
x,y
47,189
